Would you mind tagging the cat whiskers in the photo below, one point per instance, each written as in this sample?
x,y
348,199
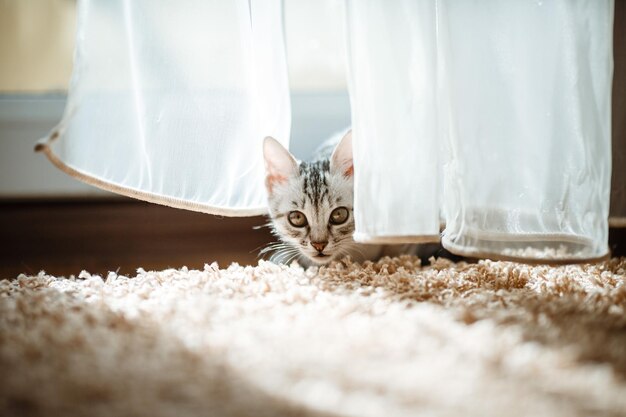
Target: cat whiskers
x,y
349,248
268,224
285,254
279,251
292,257
272,246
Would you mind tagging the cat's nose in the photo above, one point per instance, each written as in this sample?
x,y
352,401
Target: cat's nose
x,y
319,246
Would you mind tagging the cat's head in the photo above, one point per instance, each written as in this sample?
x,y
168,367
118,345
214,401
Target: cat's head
x,y
310,203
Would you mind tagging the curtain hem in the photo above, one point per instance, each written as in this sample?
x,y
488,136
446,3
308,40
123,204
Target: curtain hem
x,y
478,234
393,240
43,146
461,251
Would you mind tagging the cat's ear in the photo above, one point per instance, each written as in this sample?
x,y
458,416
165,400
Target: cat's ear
x,y
279,163
341,160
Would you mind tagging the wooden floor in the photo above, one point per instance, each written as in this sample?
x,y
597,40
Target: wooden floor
x,y
65,237
121,235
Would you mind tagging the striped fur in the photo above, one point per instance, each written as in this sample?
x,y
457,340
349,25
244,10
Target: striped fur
x,y
314,188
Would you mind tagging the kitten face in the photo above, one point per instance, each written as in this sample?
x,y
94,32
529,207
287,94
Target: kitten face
x,y
311,202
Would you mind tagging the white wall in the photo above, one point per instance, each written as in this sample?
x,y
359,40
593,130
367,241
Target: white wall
x,y
23,173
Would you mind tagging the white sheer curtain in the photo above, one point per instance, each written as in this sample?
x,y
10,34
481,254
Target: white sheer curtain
x,y
528,99
392,79
491,118
170,101
522,106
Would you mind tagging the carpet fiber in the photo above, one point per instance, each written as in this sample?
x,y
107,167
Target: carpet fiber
x,y
391,338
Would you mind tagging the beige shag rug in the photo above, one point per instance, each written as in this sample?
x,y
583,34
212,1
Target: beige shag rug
x,y
391,338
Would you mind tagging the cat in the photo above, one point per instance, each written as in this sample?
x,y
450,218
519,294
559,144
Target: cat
x,y
311,205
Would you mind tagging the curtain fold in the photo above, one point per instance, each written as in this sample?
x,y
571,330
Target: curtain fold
x,y
520,92
528,89
169,102
392,84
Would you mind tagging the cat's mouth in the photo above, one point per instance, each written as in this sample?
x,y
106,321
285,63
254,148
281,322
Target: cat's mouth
x,y
321,258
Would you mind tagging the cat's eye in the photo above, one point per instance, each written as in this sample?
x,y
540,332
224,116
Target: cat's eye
x,y
297,219
339,215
